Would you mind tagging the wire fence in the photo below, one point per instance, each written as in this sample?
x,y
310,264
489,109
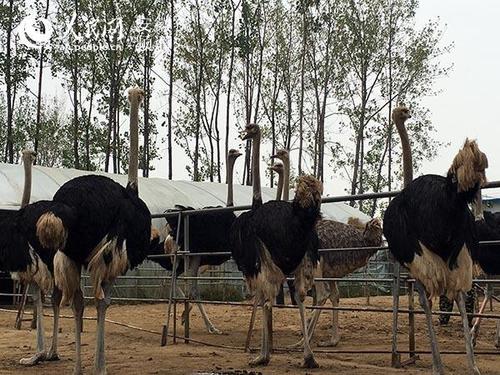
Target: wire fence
x,y
381,276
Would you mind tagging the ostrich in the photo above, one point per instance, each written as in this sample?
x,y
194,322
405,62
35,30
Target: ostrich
x,y
279,169
333,234
487,258
109,235
429,229
208,233
23,256
277,239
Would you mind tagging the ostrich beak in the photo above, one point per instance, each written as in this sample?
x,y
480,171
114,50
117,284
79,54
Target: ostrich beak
x,y
244,135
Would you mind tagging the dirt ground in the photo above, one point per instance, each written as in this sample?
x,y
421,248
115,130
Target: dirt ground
x,y
130,351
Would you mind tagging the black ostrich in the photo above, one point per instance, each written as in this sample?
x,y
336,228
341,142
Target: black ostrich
x,y
109,235
276,239
23,256
207,233
486,257
430,230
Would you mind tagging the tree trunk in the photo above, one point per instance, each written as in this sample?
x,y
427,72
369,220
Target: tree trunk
x,y
196,175
9,149
75,95
171,86
39,92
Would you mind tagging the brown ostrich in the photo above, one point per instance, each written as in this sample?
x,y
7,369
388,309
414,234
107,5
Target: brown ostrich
x,y
279,169
336,264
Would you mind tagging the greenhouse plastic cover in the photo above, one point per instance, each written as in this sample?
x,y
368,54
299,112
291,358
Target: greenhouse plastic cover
x,y
159,194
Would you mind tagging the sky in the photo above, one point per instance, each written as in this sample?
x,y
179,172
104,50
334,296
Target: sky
x,y
469,98
466,105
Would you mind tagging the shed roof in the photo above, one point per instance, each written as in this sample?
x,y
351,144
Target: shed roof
x,y
158,194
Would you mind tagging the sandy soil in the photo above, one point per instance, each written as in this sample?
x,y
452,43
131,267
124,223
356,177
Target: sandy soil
x,y
131,351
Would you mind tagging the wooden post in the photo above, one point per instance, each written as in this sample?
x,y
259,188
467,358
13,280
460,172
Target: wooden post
x,y
189,293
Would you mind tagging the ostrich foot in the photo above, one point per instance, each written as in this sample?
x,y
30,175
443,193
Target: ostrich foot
x,y
33,360
334,341
261,360
52,356
475,371
214,331
310,362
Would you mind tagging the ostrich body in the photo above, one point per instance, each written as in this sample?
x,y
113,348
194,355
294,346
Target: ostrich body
x,y
28,261
333,234
276,239
430,230
109,235
207,233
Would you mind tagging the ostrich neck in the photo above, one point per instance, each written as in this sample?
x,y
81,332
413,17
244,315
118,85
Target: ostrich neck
x,y
407,158
134,143
286,180
279,188
27,183
229,181
257,194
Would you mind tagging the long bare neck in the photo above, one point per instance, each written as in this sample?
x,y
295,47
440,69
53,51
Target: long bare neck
x,y
286,180
257,192
279,188
229,180
407,158
27,182
134,143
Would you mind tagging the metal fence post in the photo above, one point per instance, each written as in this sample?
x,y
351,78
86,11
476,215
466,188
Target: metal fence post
x,y
396,356
189,281
172,297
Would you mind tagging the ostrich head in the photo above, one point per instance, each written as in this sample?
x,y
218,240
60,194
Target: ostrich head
x,y
400,114
278,168
281,154
28,157
135,95
251,131
233,154
469,167
308,191
373,231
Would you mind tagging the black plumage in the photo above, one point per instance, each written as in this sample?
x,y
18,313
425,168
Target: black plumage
x,y
18,236
432,212
103,208
208,233
488,256
286,230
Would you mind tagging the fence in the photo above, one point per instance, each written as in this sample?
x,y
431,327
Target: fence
x,y
166,287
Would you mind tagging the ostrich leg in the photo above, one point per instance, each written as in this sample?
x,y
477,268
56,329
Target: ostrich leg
x,y
194,292
309,361
497,336
40,342
77,307
56,301
437,365
265,348
101,305
334,298
468,341
323,290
